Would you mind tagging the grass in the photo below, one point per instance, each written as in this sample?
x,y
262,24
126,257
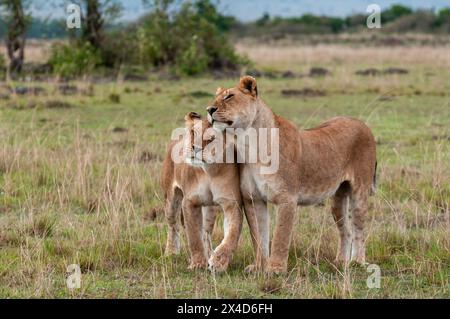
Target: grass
x,y
79,184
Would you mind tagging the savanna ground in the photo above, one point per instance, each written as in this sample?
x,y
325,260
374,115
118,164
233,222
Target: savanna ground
x,y
79,181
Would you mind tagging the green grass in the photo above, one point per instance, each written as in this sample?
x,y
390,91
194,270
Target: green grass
x,y
77,186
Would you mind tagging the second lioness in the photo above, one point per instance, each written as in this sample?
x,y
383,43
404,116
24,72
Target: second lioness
x,y
194,185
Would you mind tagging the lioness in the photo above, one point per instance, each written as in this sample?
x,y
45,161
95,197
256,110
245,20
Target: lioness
x,y
336,159
195,185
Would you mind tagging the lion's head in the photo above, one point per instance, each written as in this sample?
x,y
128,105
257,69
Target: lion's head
x,y
235,107
200,135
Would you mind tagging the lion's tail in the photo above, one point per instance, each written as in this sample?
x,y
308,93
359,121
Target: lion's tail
x,y
374,183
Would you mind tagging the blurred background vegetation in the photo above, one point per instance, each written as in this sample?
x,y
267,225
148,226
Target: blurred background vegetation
x,y
201,38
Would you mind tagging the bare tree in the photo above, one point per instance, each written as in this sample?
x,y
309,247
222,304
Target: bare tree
x,y
98,13
16,21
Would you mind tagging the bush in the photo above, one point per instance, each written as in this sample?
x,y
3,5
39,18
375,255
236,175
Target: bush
x,y
443,19
194,59
394,12
74,59
190,40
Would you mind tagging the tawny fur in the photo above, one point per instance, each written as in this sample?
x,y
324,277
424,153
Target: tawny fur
x,y
190,189
336,159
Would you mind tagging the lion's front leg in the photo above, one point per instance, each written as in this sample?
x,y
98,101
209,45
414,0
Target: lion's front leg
x,y
209,219
258,220
282,238
233,225
193,220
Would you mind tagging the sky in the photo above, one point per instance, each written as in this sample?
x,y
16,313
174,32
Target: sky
x,y
250,10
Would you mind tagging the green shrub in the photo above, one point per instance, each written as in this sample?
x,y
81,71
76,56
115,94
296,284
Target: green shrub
x,y
194,60
443,19
74,59
189,40
394,12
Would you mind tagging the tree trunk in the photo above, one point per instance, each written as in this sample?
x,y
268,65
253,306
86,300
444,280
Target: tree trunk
x,y
94,23
16,37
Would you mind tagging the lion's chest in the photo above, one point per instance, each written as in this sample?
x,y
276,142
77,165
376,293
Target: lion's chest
x,y
256,185
201,193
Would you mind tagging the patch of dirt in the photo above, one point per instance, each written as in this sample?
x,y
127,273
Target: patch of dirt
x,y
122,144
168,76
22,106
152,214
318,72
271,285
386,98
147,156
114,98
119,129
410,172
132,90
135,78
51,104
24,90
376,72
368,72
288,75
263,74
305,92
440,137
56,104
67,89
391,41
395,71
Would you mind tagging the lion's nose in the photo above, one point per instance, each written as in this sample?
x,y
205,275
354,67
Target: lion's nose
x,y
196,149
211,110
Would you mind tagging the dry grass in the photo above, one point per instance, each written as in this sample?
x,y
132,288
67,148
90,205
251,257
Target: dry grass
x,y
37,51
295,56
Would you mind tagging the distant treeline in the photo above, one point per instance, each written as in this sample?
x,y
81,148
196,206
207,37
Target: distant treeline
x,y
397,19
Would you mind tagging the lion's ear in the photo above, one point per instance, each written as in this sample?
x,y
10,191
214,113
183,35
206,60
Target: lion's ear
x,y
247,84
191,117
219,90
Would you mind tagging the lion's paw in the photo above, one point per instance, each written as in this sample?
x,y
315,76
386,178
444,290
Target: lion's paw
x,y
251,269
172,250
219,261
275,268
198,265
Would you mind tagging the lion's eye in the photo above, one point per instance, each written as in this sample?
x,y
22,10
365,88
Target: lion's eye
x,y
227,97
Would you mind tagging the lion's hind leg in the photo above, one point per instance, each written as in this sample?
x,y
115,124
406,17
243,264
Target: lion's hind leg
x,y
339,209
359,205
172,212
